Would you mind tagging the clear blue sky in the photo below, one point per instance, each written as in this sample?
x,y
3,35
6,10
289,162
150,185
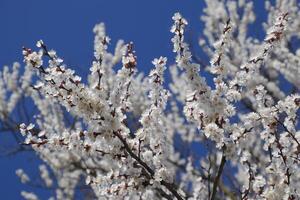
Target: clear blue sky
x,y
66,26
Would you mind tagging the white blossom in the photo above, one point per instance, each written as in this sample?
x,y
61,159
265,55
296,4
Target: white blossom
x,y
22,175
45,176
29,195
129,136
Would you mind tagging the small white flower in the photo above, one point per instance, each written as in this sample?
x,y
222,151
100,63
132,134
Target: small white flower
x,y
148,155
212,130
259,183
22,175
29,195
30,127
39,43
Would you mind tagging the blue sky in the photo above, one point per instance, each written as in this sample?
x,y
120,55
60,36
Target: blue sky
x,y
66,26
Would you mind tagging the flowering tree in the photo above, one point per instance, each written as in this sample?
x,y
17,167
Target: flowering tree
x,y
132,137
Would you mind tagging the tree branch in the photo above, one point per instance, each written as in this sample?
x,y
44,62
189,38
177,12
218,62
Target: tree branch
x,y
217,178
170,186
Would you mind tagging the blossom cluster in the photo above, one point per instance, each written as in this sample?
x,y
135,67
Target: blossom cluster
x,y
123,135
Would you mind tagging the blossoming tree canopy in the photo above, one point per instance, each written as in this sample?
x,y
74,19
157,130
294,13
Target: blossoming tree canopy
x,y
130,136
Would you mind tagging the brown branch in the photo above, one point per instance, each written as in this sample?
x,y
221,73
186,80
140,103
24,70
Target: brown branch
x,y
217,178
170,186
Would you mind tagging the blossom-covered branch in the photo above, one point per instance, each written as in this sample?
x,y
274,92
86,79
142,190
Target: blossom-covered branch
x,y
122,135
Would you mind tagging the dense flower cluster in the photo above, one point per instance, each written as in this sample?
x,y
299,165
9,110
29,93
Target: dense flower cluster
x,y
125,136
